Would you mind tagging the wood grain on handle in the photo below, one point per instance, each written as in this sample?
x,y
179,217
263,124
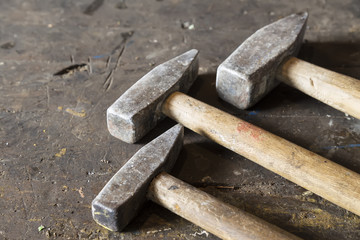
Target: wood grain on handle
x,y
215,216
305,168
337,90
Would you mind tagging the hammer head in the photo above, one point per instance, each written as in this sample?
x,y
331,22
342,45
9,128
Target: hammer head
x,y
138,110
249,72
121,198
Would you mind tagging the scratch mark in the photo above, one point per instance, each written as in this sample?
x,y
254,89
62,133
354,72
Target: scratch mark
x,y
108,80
125,36
72,69
25,208
184,39
342,146
32,189
96,105
90,66
108,62
48,96
119,57
110,84
72,59
130,43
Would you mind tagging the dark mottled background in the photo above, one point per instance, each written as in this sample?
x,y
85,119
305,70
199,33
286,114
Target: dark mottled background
x,y
56,153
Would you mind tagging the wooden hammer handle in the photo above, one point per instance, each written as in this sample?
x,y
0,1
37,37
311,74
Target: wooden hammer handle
x,y
337,90
307,169
215,216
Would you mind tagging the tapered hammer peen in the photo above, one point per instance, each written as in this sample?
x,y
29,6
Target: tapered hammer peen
x,y
266,57
156,95
144,176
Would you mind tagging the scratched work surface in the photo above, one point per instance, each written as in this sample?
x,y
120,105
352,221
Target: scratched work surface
x,y
56,153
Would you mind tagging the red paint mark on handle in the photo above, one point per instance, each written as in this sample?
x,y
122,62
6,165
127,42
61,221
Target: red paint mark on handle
x,y
254,131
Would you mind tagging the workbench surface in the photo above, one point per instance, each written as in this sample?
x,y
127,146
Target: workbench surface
x,y
56,153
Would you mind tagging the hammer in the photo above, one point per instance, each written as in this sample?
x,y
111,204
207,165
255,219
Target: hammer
x,y
156,94
144,176
250,72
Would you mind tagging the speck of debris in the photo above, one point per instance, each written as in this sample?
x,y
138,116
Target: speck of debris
x,y
40,228
200,233
61,153
307,193
187,25
104,161
81,192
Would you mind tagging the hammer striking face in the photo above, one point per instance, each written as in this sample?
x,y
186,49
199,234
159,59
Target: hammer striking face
x,y
121,198
249,72
138,110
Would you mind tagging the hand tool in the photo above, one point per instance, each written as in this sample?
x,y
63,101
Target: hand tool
x,y
255,67
144,176
155,95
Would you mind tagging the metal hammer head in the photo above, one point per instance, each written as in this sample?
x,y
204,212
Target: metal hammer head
x,y
121,198
249,72
138,110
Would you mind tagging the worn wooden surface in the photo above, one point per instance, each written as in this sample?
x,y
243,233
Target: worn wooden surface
x,y
56,153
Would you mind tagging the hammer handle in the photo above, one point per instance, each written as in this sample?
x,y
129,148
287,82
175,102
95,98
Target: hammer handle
x,y
215,216
337,90
307,169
